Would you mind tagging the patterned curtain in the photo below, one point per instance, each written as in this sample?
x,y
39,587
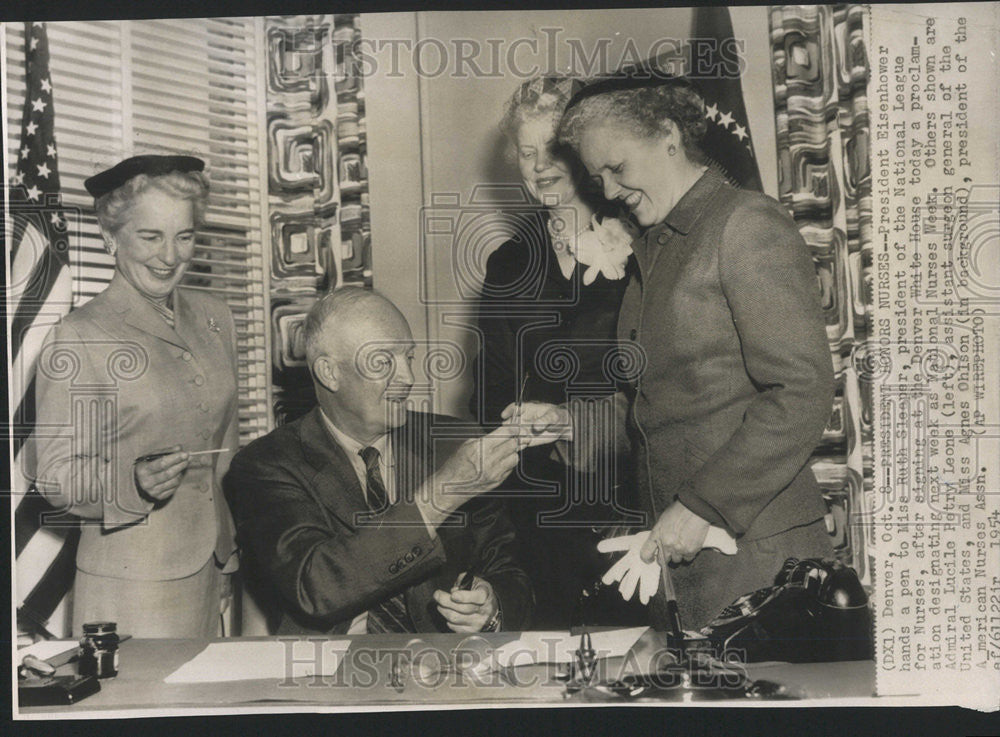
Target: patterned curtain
x,y
820,75
317,184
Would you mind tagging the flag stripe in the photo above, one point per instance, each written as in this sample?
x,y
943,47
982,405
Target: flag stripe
x,y
52,586
28,519
41,289
44,278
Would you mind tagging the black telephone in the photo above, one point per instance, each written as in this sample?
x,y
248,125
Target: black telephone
x,y
817,611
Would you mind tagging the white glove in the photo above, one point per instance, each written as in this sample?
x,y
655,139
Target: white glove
x,y
605,248
631,570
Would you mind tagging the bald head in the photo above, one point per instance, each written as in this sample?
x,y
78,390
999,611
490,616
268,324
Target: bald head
x,y
341,321
360,352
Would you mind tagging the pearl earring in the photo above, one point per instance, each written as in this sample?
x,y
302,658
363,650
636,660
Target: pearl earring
x,y
672,149
111,247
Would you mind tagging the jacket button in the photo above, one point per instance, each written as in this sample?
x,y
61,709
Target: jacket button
x,y
186,356
393,568
416,550
203,406
633,334
199,380
662,238
409,557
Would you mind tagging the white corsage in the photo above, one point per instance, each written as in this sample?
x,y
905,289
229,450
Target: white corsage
x,y
604,248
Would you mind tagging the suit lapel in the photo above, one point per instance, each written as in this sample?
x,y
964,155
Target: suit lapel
x,y
186,322
336,483
671,234
135,310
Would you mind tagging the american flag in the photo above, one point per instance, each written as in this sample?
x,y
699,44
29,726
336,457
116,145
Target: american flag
x,y
727,140
40,292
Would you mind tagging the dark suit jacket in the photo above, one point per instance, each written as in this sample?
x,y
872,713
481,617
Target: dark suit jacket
x,y
296,500
738,384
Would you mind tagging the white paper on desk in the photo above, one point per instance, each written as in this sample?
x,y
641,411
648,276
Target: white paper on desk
x,y
262,660
45,649
560,647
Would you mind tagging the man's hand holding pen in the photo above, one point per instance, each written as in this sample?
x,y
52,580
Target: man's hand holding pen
x,y
479,465
482,463
538,423
470,606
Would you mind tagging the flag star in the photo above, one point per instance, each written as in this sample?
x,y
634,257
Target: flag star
x,y
24,152
740,132
34,42
18,178
50,150
46,85
725,119
43,170
711,111
34,192
31,128
56,220
38,105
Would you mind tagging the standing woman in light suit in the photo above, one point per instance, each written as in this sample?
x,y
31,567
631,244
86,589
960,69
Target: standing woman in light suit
x,y
144,368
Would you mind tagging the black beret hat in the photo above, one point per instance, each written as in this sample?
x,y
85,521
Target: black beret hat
x,y
638,76
111,179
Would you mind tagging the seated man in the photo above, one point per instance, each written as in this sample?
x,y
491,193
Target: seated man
x,y
349,518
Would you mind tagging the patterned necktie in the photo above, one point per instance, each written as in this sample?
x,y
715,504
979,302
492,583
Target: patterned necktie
x,y
377,496
389,615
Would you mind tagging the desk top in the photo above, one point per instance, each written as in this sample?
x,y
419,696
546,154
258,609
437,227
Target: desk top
x,y
367,677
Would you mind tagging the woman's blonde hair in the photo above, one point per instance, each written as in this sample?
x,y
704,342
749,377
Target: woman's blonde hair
x,y
113,208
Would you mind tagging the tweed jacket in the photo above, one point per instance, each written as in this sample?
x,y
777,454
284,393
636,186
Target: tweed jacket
x,y
738,380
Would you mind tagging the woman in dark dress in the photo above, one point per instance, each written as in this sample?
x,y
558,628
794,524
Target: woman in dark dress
x,y
548,332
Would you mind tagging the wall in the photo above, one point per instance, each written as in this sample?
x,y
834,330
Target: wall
x,y
435,134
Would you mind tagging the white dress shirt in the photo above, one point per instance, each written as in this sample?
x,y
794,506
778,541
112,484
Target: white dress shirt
x,y
353,448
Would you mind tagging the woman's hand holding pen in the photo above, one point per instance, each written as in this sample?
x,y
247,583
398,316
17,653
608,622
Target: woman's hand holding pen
x,y
678,533
159,478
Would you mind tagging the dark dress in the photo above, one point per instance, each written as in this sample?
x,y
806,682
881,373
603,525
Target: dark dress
x,y
556,336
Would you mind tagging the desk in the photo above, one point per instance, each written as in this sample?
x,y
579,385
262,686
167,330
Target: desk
x,y
365,679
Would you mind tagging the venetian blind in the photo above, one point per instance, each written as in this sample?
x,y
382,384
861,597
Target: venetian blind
x,y
166,86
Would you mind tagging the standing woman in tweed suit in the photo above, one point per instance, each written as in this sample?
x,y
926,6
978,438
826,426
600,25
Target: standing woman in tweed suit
x,y
738,382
